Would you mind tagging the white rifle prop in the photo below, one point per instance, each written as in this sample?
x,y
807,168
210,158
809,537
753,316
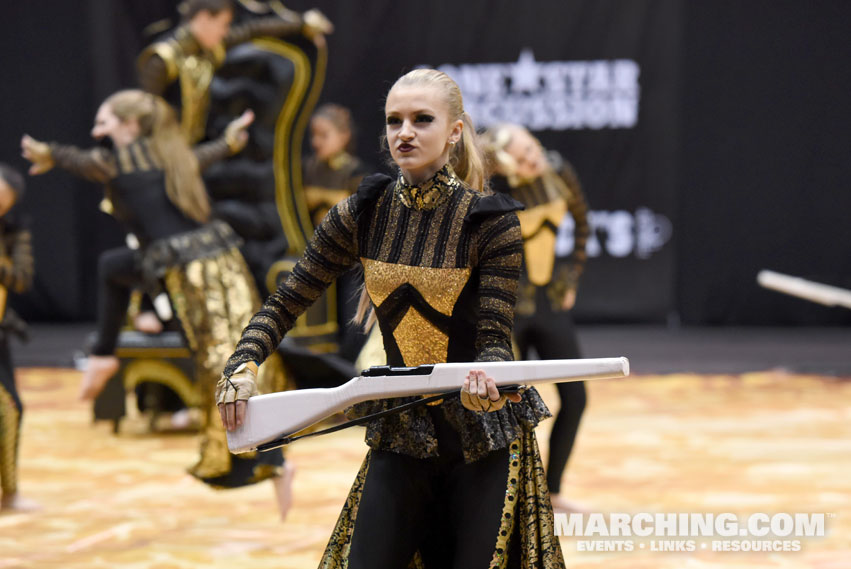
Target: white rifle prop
x,y
271,419
802,288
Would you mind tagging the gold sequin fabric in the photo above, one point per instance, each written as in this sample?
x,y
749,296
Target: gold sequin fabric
x,y
539,225
214,297
429,194
10,432
527,509
420,341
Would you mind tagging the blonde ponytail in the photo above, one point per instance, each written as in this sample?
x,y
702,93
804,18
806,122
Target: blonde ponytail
x,y
466,157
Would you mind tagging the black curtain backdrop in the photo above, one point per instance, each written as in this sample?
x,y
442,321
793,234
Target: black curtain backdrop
x,y
766,158
732,163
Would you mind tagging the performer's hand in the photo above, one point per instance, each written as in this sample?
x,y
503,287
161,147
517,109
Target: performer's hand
x,y
569,299
233,392
236,133
316,26
38,153
480,393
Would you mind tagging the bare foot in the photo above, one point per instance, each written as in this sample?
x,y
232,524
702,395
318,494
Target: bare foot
x,y
148,323
564,506
98,372
15,503
284,489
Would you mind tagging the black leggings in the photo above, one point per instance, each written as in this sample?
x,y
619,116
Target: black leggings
x,y
118,275
447,509
11,413
553,336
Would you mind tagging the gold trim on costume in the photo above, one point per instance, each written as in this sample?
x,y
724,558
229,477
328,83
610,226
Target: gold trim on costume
x,y
166,51
9,436
196,74
509,509
141,162
125,161
539,240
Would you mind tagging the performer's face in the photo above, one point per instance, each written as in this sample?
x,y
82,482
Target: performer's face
x,y
121,132
211,29
419,130
527,153
326,139
7,197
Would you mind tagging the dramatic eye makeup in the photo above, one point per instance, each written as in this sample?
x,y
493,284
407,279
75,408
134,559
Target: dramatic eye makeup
x,y
422,117
394,120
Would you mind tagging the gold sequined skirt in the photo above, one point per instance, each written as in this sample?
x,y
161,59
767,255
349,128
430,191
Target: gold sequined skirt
x,y
214,298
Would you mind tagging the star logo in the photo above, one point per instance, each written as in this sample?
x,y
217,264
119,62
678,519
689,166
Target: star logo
x,y
524,74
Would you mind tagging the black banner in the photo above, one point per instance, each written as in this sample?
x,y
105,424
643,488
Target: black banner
x,y
595,80
707,134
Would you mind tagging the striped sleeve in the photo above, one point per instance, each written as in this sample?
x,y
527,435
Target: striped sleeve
x,y
96,165
330,252
208,153
500,256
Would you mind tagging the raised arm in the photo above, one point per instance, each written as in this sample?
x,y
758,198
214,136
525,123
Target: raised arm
x,y
331,251
96,164
231,142
311,24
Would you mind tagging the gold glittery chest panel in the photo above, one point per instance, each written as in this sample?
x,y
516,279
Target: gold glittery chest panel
x,y
415,291
539,226
546,201
417,263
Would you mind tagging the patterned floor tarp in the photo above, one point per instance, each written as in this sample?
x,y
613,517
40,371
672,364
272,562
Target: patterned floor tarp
x,y
760,443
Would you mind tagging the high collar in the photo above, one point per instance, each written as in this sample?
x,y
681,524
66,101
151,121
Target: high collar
x,y
429,194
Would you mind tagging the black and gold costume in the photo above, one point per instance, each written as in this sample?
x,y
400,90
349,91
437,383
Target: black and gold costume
x,y
541,322
441,264
201,269
328,182
16,274
180,70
